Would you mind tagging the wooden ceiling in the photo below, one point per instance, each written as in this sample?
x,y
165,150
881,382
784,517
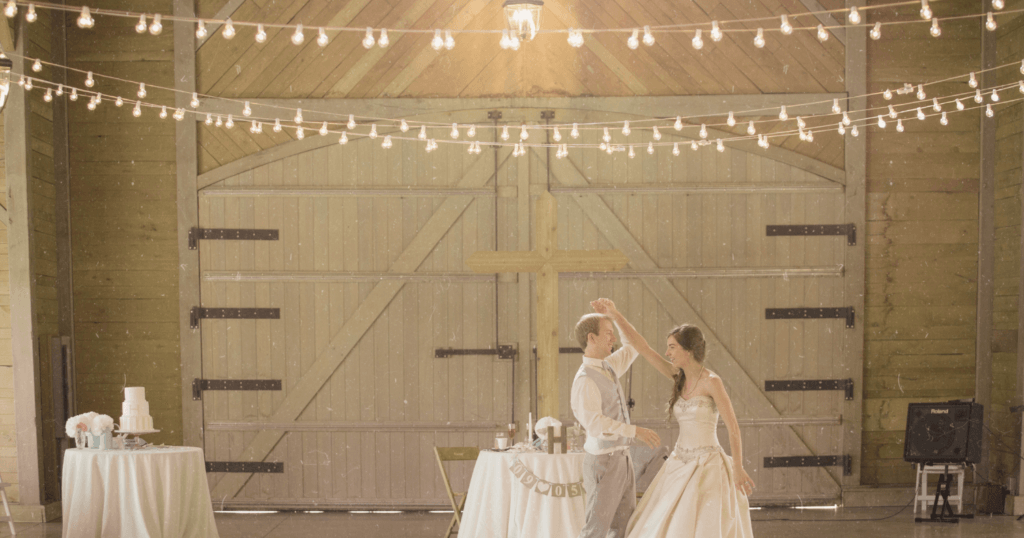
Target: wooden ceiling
x,y
478,67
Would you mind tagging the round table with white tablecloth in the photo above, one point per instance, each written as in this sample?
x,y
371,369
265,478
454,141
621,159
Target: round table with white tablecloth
x,y
156,492
515,495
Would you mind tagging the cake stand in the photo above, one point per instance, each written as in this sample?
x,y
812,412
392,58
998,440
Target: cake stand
x,y
137,442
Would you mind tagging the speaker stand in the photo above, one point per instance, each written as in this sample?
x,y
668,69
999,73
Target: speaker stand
x,y
945,512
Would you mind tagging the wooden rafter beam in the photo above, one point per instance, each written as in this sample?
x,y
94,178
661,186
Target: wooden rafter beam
x,y
342,343
611,227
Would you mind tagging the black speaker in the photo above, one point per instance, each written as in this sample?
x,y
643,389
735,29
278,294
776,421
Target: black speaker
x,y
943,433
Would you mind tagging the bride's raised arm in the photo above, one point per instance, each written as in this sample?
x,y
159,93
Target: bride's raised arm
x,y
633,337
721,397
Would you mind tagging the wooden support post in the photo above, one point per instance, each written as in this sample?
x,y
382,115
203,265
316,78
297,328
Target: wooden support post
x,y
1020,318
188,216
986,249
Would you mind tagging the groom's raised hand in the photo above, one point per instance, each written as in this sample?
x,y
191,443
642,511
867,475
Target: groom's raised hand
x,y
648,437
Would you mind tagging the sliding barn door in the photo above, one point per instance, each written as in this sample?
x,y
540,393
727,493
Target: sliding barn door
x,y
364,281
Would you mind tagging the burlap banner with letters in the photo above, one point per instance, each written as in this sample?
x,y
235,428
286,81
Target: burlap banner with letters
x,y
532,481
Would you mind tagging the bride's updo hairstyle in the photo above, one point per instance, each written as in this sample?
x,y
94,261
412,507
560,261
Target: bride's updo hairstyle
x,y
690,338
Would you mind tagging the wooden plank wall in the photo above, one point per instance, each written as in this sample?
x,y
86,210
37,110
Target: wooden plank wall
x,y
1009,120
8,441
124,224
922,242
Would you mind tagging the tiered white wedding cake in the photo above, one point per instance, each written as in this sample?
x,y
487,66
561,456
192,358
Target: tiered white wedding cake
x,y
135,411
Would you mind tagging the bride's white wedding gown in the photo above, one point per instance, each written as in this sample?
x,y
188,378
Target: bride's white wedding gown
x,y
694,494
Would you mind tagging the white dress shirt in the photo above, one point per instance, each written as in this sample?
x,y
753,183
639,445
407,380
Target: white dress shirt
x,y
586,400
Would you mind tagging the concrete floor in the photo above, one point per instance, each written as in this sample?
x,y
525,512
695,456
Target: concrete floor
x,y
767,523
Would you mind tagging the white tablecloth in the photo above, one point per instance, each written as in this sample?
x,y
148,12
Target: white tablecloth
x,y
499,505
150,493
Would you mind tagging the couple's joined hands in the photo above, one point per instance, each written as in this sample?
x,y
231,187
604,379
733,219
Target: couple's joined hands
x,y
648,437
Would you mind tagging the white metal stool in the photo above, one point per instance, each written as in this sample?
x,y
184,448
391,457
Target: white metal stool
x,y
923,496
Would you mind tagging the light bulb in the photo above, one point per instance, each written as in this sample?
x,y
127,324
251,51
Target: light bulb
x,y
137,111
437,42
200,30
881,122
698,43
11,9
994,96
514,42
556,135
179,114
675,149
60,90
85,20
846,118
575,38
219,122
323,129
163,113
998,4
935,105
887,94
89,82
603,146
854,131
142,25
892,112
854,16
899,125
977,97
298,116
607,137
1022,67
505,42
625,128
943,120
810,136
842,129
703,131
37,65
959,105
693,145
156,27
351,122
731,121
575,132
782,113
383,41
926,11
423,133
650,148
74,94
648,37
632,153
343,139
822,34
935,31
298,37
720,147
404,126
300,133
259,127
229,30
455,131
209,119
973,81
716,32
504,132
449,41
634,41
28,84
990,22
230,122
252,128
750,128
988,111
678,125
876,31
246,110
48,96
759,38
921,96
655,133
386,144
261,34
277,125
1020,86
194,103
321,38
368,40
786,28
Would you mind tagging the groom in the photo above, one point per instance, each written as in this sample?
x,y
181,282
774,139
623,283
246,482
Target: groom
x,y
600,406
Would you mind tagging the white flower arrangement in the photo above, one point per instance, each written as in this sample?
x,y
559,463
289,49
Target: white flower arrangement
x,y
95,423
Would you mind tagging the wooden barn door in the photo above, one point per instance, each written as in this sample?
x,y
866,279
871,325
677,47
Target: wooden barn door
x,y
365,281
696,228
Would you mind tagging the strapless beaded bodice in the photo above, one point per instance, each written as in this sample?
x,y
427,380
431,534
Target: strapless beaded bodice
x,y
698,427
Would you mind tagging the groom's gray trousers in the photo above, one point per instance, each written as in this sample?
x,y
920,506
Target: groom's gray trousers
x,y
611,494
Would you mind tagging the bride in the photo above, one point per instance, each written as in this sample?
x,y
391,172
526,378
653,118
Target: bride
x,y
700,491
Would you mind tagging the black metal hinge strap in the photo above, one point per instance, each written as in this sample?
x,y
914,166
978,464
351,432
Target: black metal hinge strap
x,y
237,234
244,467
849,230
811,461
780,385
197,313
200,385
503,352
812,313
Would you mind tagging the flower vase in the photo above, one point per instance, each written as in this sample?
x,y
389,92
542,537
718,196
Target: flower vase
x,y
100,442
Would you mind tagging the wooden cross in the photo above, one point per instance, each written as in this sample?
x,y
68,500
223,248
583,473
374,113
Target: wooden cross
x,y
547,261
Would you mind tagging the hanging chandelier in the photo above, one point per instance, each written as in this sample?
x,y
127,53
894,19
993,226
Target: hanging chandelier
x,y
522,17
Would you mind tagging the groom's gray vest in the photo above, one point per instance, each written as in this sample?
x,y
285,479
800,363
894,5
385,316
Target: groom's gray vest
x,y
613,402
